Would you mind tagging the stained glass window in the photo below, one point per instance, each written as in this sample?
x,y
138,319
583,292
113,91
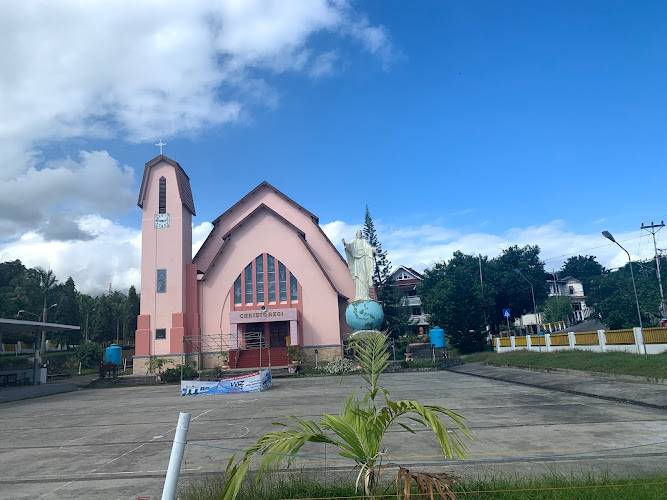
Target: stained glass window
x,y
161,281
282,279
271,275
248,284
293,288
237,291
259,272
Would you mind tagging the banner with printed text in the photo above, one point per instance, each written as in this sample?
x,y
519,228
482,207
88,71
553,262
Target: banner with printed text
x,y
252,382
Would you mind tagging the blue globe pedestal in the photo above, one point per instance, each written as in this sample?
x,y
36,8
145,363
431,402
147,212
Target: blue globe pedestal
x,y
364,315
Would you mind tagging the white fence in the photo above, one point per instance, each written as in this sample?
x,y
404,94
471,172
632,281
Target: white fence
x,y
648,340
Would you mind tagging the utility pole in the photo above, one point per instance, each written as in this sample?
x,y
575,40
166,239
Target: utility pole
x,y
653,229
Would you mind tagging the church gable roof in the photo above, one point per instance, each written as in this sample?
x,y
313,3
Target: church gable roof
x,y
302,237
183,182
248,199
265,184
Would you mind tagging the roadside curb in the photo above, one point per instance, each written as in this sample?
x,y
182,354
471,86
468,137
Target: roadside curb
x,y
560,389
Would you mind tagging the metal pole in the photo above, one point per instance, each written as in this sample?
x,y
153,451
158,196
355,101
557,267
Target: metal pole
x,y
653,231
532,293
639,314
608,235
174,469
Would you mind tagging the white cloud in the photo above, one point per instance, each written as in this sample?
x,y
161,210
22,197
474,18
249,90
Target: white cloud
x,y
323,65
62,190
113,256
134,70
421,246
93,70
199,235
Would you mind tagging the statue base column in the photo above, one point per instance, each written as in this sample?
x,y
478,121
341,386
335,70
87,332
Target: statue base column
x,y
364,315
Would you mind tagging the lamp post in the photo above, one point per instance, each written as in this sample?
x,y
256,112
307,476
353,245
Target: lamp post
x,y
608,235
532,293
43,339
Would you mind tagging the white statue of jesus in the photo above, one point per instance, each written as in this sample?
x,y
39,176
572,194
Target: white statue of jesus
x,y
360,260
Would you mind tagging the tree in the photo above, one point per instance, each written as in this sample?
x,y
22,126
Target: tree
x,y
612,297
87,306
582,268
104,321
117,300
508,290
68,313
11,273
557,308
452,294
396,311
47,284
130,314
358,431
382,263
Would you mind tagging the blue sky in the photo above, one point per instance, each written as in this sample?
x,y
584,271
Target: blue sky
x,y
463,125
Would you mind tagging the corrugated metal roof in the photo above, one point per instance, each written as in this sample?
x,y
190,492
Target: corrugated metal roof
x,y
183,181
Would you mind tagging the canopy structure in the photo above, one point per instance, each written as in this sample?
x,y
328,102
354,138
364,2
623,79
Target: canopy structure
x,y
20,326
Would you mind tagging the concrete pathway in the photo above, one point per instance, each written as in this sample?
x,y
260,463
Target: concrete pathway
x,y
633,390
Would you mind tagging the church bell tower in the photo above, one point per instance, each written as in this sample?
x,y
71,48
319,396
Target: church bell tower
x,y
167,272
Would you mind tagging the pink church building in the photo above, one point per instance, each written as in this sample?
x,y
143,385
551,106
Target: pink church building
x,y
266,270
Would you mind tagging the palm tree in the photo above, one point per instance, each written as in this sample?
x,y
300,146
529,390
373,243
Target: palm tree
x,y
358,431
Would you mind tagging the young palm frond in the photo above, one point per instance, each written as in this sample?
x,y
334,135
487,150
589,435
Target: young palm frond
x,y
358,431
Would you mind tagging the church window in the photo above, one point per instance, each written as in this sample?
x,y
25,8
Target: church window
x,y
259,273
161,281
163,196
265,281
282,277
271,275
294,289
160,333
238,299
248,284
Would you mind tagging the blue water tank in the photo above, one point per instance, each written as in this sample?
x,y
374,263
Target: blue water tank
x,y
114,354
438,337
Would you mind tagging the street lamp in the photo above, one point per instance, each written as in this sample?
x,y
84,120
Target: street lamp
x,y
532,293
608,235
23,311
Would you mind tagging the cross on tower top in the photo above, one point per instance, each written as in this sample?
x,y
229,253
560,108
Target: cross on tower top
x,y
160,144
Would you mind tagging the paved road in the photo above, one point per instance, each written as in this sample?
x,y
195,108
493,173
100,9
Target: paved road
x,y
115,443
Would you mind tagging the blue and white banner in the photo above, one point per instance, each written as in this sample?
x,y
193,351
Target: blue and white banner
x,y
252,382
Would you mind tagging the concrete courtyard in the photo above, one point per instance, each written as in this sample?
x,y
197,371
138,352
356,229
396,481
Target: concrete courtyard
x,y
115,443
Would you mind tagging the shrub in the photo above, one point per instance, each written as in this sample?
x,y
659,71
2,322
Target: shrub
x,y
339,366
173,375
89,355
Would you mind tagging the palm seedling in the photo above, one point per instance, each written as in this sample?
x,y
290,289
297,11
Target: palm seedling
x,y
358,431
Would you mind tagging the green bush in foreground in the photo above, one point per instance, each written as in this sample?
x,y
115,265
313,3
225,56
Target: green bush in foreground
x,y
358,431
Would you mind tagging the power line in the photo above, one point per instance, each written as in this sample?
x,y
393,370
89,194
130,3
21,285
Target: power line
x,y
579,252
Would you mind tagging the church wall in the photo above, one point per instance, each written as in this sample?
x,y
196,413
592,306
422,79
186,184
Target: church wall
x,y
265,233
328,256
167,248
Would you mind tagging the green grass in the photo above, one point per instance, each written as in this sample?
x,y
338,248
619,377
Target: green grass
x,y
552,487
617,363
